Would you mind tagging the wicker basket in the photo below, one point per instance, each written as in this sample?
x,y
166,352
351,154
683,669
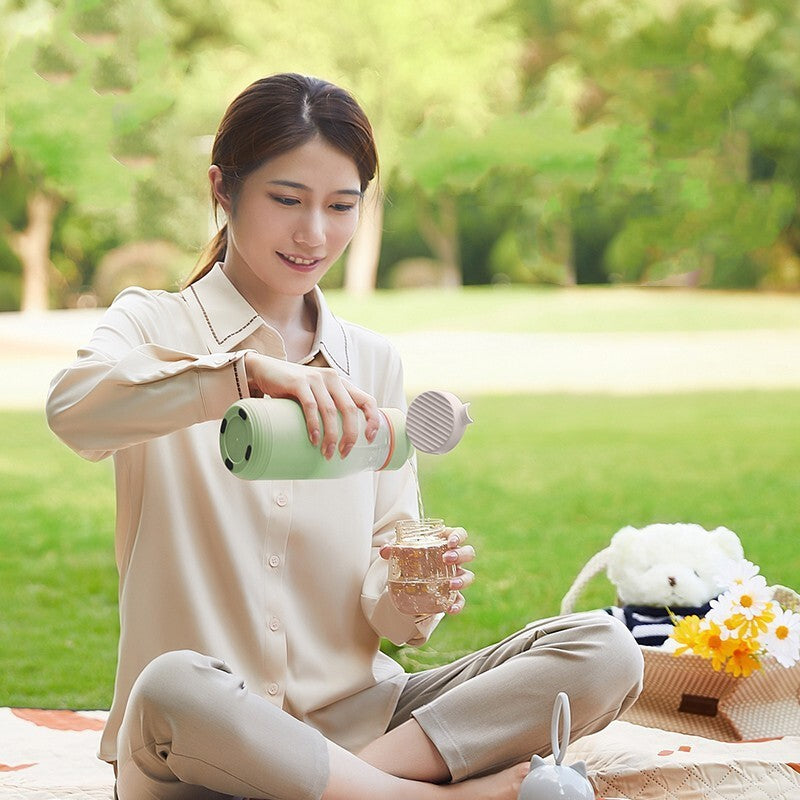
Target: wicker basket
x,y
685,694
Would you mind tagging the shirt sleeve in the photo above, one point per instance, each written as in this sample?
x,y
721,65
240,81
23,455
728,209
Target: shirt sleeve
x,y
127,387
395,499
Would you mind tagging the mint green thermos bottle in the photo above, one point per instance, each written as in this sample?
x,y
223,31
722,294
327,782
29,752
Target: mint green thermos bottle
x,y
267,439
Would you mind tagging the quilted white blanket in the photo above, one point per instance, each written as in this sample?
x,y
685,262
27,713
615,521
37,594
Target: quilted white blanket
x,y
638,763
51,755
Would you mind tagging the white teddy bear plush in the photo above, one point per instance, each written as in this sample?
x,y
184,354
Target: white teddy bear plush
x,y
667,566
670,564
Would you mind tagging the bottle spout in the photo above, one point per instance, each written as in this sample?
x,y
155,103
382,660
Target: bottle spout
x,y
436,421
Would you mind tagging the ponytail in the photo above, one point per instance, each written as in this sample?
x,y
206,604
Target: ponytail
x,y
213,252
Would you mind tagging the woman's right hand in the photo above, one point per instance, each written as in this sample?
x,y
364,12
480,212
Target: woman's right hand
x,y
321,392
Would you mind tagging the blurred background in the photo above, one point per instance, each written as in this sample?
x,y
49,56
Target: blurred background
x,y
556,142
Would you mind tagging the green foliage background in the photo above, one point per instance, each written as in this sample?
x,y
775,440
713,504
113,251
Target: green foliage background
x,y
580,141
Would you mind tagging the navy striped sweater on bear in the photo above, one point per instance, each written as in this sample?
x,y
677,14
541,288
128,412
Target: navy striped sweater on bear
x,y
651,625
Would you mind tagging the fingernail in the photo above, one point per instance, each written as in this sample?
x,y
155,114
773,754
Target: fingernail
x,y
456,583
314,438
329,451
453,540
346,450
450,556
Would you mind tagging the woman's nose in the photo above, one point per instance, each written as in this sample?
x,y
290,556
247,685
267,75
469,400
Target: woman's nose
x,y
310,230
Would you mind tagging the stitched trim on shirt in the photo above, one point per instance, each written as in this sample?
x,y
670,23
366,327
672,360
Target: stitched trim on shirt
x,y
345,369
211,327
238,385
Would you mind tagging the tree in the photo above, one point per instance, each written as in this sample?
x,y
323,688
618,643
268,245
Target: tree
x,y
82,83
684,78
547,154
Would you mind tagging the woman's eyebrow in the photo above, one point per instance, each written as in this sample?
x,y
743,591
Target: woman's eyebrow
x,y
295,185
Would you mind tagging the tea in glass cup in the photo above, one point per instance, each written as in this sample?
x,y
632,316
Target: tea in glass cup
x,y
419,578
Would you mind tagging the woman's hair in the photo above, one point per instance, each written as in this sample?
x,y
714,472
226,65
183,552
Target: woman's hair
x,y
271,117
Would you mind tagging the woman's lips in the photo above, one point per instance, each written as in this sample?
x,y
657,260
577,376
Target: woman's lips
x,y
299,263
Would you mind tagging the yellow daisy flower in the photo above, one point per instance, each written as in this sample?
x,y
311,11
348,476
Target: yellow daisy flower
x,y
743,661
686,632
711,645
754,625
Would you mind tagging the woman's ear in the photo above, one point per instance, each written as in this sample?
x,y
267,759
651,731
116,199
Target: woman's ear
x,y
218,187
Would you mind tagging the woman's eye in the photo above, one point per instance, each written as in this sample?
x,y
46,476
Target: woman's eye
x,y
285,201
343,206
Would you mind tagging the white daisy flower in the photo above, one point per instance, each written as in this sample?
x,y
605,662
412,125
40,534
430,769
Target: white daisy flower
x,y
751,597
735,573
722,612
782,639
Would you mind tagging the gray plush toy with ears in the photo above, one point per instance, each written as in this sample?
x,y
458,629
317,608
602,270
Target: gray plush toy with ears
x,y
554,781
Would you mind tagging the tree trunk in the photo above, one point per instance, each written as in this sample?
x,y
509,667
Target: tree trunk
x,y
565,251
441,235
32,247
555,238
361,267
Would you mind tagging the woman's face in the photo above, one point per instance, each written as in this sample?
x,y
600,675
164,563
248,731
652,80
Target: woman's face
x,y
292,219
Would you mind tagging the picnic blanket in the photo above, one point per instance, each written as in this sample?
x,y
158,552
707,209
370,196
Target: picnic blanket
x,y
51,755
638,763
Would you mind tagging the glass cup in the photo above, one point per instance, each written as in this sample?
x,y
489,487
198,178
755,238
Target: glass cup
x,y
419,578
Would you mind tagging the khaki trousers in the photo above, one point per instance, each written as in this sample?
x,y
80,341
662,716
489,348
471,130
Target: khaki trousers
x,y
192,731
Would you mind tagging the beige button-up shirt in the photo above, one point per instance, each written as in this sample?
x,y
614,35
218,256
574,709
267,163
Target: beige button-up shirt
x,y
281,579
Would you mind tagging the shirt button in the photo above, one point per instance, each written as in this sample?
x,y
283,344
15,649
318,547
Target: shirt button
x,y
282,499
274,560
274,624
273,689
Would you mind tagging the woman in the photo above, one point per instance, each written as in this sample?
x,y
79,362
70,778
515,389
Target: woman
x,y
251,612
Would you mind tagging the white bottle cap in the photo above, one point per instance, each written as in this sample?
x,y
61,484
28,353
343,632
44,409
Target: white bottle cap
x,y
436,421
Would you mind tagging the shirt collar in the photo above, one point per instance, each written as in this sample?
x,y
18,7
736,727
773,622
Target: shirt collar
x,y
225,319
331,338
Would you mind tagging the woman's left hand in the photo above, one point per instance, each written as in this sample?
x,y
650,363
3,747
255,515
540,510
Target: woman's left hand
x,y
457,553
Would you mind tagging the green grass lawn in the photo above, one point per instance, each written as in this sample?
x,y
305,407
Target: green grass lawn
x,y
541,482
